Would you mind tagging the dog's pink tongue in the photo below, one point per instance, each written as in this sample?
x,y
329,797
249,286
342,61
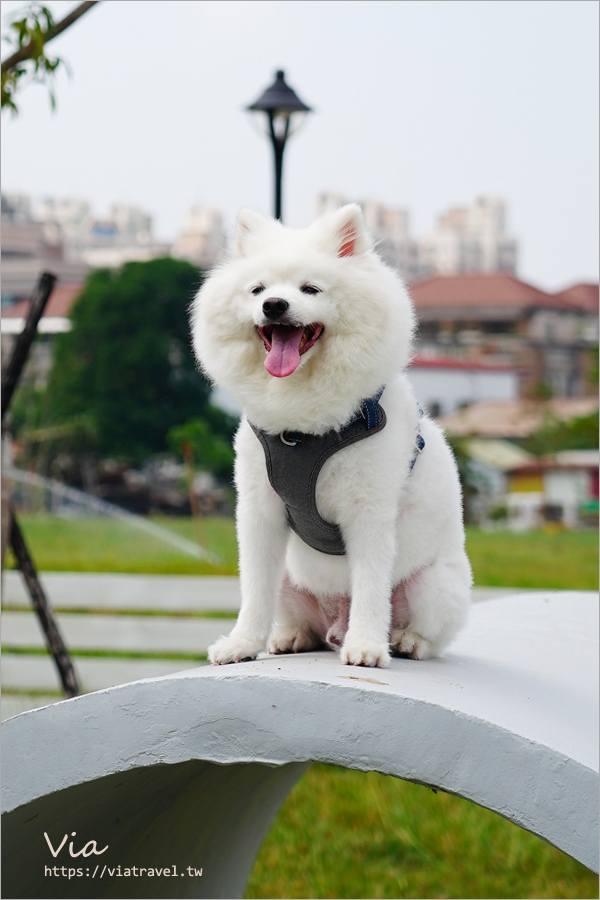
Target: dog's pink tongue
x,y
284,356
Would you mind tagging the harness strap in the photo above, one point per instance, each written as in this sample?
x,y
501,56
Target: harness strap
x,y
419,442
294,461
368,411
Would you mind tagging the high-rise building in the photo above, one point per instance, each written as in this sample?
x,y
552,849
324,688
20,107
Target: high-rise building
x,y
30,246
124,235
467,239
389,228
202,237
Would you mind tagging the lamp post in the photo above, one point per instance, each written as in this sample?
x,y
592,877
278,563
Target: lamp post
x,y
280,103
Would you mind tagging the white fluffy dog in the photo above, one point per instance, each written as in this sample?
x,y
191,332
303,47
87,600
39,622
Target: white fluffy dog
x,y
360,546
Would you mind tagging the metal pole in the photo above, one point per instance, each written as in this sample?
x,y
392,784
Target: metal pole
x,y
15,365
10,380
54,640
278,147
278,142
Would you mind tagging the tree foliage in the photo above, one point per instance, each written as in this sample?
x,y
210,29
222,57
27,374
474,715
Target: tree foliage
x,y
574,434
209,451
29,30
127,363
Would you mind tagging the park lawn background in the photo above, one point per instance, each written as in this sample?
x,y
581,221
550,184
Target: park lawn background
x,y
348,834
565,560
113,545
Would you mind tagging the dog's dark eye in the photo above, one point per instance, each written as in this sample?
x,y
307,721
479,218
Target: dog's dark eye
x,y
310,289
258,289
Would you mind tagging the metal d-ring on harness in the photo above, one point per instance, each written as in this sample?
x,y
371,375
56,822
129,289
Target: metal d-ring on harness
x,y
294,460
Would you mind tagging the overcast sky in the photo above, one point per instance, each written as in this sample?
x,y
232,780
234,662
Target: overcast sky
x,y
420,105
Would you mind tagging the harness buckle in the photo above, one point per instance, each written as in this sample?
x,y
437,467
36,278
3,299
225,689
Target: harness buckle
x,y
293,443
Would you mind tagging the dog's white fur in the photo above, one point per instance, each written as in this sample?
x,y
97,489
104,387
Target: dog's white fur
x,y
405,571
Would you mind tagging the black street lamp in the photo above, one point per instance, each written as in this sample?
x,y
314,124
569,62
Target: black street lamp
x,y
280,103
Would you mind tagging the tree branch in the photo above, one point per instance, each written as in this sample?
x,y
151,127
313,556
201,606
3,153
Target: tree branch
x,y
24,53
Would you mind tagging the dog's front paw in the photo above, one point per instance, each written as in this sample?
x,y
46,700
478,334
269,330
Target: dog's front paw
x,y
291,639
409,643
234,649
361,652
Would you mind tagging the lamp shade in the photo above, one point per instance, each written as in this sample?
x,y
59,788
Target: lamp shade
x,y
279,98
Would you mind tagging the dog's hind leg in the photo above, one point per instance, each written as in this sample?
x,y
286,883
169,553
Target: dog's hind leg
x,y
299,621
337,632
430,607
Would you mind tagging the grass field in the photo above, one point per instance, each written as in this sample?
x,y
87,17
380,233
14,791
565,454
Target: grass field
x,y
562,561
351,834
112,545
567,560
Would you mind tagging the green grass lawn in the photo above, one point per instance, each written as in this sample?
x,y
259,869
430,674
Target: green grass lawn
x,y
112,545
564,561
567,560
360,834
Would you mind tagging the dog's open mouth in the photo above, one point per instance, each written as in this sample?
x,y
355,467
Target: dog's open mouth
x,y
285,344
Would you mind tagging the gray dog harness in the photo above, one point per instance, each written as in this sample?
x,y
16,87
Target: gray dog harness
x,y
294,461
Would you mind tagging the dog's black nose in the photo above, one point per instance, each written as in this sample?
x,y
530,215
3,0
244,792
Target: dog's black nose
x,y
275,307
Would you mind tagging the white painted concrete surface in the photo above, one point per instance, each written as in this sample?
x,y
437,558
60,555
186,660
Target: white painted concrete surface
x,y
167,593
86,631
189,769
27,673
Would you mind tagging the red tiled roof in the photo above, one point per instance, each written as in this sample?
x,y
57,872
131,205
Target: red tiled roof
x,y
582,296
477,290
59,305
514,418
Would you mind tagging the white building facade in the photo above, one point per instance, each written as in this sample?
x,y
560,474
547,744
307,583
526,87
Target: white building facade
x,y
202,238
441,386
469,239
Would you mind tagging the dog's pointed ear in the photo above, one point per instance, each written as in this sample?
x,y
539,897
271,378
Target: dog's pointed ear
x,y
344,231
247,226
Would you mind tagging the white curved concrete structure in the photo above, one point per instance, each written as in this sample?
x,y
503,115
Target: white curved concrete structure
x,y
189,769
